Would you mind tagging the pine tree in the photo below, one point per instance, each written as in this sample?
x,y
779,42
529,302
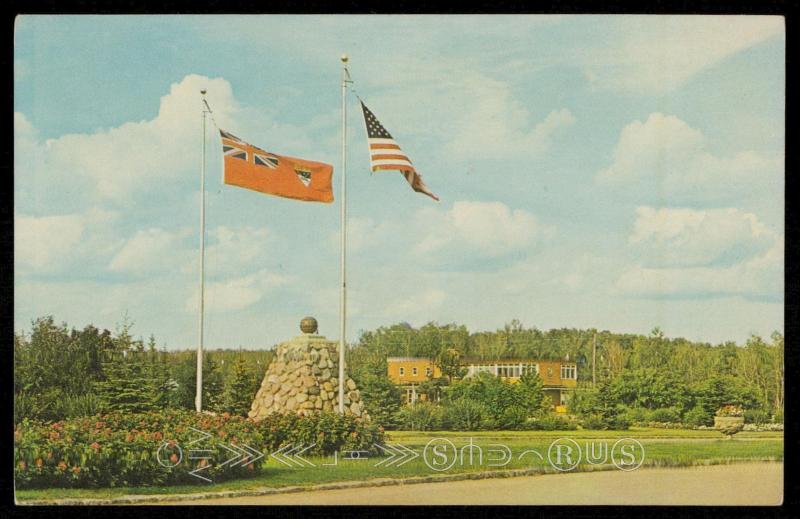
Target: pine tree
x,y
128,385
241,388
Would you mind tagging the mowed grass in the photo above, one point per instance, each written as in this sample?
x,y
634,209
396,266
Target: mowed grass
x,y
663,447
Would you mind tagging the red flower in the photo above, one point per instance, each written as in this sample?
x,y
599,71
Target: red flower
x,y
95,446
39,462
54,435
157,435
129,437
173,458
250,467
62,466
76,470
172,443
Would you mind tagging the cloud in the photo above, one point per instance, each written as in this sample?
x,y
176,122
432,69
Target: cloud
x,y
149,251
759,278
484,229
703,253
670,237
416,306
659,53
40,243
48,244
667,156
238,293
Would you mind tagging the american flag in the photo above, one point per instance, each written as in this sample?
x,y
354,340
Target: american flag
x,y
385,153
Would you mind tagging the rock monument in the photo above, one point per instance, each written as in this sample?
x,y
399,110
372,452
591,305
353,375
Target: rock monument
x,y
303,378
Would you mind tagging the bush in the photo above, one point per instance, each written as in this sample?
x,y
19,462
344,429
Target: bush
x,y
421,416
613,421
121,449
467,415
513,418
665,414
551,423
698,416
637,415
756,416
329,432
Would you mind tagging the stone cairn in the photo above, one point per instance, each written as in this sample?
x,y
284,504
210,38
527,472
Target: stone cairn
x,y
303,379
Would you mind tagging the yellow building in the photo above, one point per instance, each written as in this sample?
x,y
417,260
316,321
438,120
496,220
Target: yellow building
x,y
409,372
558,377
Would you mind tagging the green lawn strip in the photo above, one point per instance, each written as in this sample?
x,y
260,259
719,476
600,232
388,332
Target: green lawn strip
x,y
668,452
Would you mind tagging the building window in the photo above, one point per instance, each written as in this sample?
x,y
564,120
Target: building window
x,y
402,371
568,372
414,371
427,372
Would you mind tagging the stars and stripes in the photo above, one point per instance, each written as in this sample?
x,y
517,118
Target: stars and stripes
x,y
385,153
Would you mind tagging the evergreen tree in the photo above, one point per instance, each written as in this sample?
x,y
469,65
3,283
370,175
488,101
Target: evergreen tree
x,y
240,389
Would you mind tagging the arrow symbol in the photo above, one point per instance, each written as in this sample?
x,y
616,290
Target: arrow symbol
x,y
391,451
279,453
236,450
195,471
302,451
203,433
249,455
411,454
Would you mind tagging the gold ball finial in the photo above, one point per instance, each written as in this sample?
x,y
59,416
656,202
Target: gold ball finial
x,y
344,58
308,325
203,91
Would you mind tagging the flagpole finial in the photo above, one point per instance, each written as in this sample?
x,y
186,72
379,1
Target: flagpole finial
x,y
344,58
203,92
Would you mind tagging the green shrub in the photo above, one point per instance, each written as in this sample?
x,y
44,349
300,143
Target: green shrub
x,y
328,432
122,449
594,422
513,418
551,423
665,414
756,416
698,416
466,415
637,415
421,416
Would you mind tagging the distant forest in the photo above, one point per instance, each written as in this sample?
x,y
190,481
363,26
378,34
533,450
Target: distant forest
x,y
57,366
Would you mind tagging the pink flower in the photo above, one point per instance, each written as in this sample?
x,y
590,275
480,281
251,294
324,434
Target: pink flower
x,y
95,446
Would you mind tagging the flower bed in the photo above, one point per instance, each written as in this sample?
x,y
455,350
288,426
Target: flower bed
x,y
153,448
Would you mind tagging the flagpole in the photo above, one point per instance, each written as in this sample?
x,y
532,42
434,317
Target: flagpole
x,y
343,297
198,399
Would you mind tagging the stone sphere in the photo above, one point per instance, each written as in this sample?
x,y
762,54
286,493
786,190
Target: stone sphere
x,y
308,325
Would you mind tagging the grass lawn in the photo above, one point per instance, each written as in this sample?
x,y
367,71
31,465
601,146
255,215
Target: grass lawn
x,y
663,447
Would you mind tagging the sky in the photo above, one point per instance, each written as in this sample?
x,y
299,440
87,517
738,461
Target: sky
x,y
609,172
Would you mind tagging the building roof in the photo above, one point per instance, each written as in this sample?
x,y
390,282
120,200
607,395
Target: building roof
x,y
466,360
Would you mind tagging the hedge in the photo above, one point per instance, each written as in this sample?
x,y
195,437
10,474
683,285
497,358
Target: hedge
x,y
153,449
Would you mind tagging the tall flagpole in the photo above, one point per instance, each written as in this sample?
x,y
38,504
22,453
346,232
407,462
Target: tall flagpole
x,y
343,298
198,399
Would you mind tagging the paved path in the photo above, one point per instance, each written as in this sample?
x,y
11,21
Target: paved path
x,y
737,484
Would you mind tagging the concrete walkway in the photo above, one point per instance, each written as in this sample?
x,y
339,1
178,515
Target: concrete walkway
x,y
737,484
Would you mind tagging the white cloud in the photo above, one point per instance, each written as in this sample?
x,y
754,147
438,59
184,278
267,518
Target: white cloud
x,y
688,237
485,229
660,53
238,293
44,244
703,253
761,277
668,156
41,243
148,251
233,249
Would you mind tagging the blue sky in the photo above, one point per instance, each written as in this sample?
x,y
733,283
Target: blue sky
x,y
618,172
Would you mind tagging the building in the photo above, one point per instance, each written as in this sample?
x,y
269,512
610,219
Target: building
x,y
558,377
